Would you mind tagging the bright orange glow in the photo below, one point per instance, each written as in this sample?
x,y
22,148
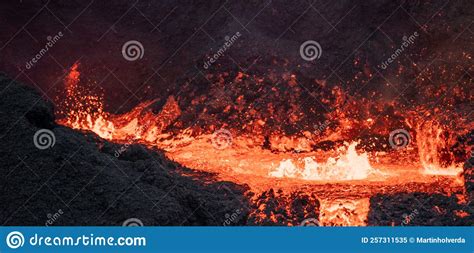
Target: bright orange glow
x,y
430,142
344,212
82,109
290,163
348,166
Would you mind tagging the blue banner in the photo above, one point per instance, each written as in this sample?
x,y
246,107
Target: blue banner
x,y
238,239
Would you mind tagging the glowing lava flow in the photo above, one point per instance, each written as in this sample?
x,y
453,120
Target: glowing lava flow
x,y
245,161
349,166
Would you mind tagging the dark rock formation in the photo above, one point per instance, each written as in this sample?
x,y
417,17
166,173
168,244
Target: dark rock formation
x,y
80,181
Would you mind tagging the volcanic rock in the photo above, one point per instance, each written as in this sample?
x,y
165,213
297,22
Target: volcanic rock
x,y
81,175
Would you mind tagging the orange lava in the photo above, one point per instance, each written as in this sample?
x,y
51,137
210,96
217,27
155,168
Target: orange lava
x,y
243,160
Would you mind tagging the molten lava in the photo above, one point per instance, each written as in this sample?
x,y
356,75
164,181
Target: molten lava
x,y
349,166
82,109
281,161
